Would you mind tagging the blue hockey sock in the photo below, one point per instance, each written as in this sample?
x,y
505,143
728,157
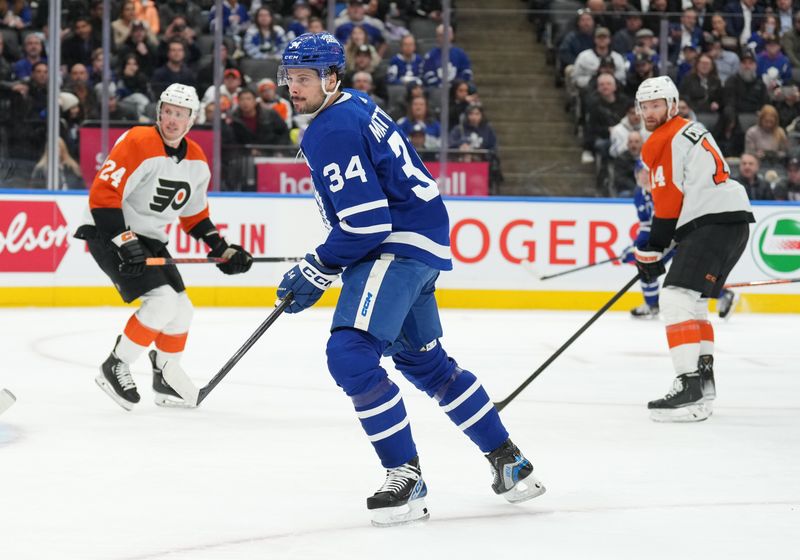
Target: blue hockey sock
x,y
650,291
465,401
383,416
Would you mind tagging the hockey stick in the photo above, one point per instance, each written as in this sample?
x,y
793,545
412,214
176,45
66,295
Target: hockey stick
x,y
162,261
584,267
502,404
7,398
762,283
179,381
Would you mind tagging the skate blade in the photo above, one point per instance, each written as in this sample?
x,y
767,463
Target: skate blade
x,y
732,308
414,511
7,399
109,390
691,413
178,380
524,490
168,401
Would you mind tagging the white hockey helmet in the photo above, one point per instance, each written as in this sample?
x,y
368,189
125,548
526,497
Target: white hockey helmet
x,y
182,96
660,87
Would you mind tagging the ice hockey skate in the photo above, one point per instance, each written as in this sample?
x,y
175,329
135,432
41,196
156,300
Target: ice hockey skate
x,y
645,311
684,402
115,379
400,500
163,394
726,304
512,472
705,365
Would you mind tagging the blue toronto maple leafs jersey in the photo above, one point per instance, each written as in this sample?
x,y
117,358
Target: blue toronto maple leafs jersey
x,y
644,209
373,191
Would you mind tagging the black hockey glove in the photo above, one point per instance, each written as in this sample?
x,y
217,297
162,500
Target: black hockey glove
x,y
131,253
239,260
650,263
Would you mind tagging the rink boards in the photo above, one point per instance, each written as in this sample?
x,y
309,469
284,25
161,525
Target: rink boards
x,y
501,247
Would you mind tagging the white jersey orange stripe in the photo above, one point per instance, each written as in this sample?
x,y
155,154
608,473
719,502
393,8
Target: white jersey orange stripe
x,y
152,188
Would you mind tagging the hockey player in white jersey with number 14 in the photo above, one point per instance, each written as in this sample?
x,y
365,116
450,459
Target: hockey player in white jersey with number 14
x,y
388,239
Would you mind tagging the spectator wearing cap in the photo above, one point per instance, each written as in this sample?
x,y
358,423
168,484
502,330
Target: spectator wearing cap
x,y
269,99
687,32
624,39
140,45
179,28
631,122
702,88
364,62
588,62
264,38
576,41
416,135
744,92
755,186
356,15
641,70
231,86
742,18
460,66
301,12
358,42
727,62
772,57
174,71
235,19
33,49
645,43
789,188
418,113
406,65
80,43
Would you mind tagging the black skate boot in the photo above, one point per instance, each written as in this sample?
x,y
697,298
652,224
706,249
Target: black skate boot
x,y
705,365
115,379
684,402
726,304
163,394
512,474
400,500
645,311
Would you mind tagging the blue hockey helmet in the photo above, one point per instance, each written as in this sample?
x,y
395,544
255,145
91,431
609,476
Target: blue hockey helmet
x,y
320,51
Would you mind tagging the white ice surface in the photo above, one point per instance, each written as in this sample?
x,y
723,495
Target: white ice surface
x,y
274,464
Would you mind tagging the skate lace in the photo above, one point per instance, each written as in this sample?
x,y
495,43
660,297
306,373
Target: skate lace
x,y
677,387
123,375
396,478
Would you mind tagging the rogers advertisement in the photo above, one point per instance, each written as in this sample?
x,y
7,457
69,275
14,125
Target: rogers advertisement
x,y
496,243
286,176
90,145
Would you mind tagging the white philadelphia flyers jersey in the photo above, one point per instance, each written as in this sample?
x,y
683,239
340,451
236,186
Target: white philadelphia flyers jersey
x,y
690,178
152,188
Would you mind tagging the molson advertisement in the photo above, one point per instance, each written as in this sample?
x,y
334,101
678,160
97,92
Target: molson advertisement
x,y
501,247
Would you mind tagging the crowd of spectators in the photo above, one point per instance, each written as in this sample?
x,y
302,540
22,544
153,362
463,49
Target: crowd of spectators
x,y
393,55
736,64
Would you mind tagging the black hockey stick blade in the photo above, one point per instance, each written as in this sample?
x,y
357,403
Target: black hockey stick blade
x,y
579,268
262,328
502,404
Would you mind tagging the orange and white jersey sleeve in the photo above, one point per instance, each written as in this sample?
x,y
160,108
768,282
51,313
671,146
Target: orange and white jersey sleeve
x,y
152,188
691,184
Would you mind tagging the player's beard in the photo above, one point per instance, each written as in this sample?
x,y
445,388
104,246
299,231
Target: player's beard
x,y
309,108
660,121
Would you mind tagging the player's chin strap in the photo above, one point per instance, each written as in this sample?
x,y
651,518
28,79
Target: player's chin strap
x,y
328,95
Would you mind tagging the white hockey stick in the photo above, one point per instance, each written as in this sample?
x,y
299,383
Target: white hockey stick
x,y
7,398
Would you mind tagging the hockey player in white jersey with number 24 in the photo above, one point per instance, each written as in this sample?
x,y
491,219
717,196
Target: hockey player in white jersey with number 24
x,y
388,240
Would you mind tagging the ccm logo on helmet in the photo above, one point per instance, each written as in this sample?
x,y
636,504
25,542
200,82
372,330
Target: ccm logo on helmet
x,y
170,193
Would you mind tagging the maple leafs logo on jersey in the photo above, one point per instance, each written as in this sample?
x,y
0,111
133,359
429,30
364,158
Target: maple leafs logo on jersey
x,y
170,193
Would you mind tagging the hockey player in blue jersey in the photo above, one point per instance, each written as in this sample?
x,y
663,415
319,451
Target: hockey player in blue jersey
x,y
388,240
644,210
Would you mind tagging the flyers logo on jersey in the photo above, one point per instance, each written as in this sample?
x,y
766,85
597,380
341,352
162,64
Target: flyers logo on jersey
x,y
174,194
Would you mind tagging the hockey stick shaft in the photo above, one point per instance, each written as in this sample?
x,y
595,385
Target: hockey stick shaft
x,y
762,283
162,261
262,328
502,404
584,267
